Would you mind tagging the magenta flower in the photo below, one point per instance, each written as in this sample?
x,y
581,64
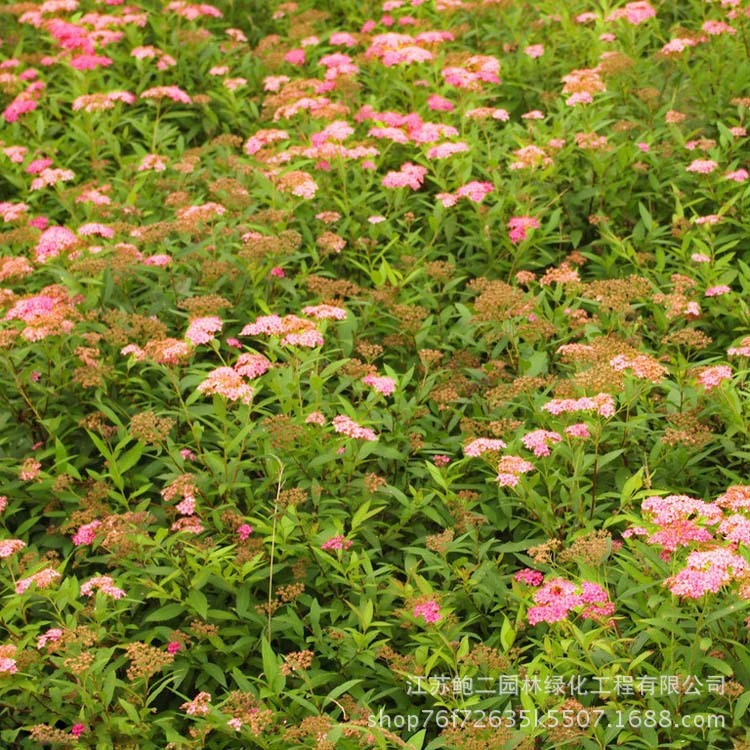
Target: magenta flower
x,y
429,611
338,542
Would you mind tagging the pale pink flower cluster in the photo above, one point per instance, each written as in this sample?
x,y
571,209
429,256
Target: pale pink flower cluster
x,y
203,330
12,211
540,440
510,468
346,426
476,71
716,291
410,175
743,350
43,579
175,93
429,611
530,157
96,228
315,417
102,102
534,50
702,166
325,312
153,161
738,175
578,430
51,177
9,547
518,227
444,150
397,49
707,571
105,584
382,384
482,113
262,138
8,665
478,446
338,542
642,365
53,635
680,44
557,598
244,530
296,331
199,706
338,130
711,377
602,403
474,191
635,13
227,382
252,365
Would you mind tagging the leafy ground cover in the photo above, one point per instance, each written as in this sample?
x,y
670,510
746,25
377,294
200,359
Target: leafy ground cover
x,y
374,375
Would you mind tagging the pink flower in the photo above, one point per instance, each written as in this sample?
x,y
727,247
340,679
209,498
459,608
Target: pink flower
x,y
173,647
534,50
384,385
700,258
481,445
509,469
315,417
739,175
325,312
53,635
439,103
86,533
77,729
702,166
635,13
235,723
346,426
338,542
529,576
579,430
225,381
244,531
713,376
53,241
278,272
43,579
295,57
429,611
715,291
441,460
410,175
199,706
518,227
539,440
444,150
202,330
252,365
187,455
105,584
9,547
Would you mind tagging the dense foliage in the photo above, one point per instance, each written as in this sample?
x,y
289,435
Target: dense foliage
x,y
374,375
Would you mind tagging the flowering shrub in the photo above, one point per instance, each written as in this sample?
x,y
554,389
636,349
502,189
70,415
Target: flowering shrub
x,y
372,362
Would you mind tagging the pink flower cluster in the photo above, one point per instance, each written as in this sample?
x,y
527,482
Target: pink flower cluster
x,y
381,384
295,331
429,611
338,542
9,547
711,377
557,598
602,403
410,175
346,426
474,191
518,227
707,572
227,382
43,579
481,445
86,533
635,13
199,706
510,468
105,584
203,330
540,440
